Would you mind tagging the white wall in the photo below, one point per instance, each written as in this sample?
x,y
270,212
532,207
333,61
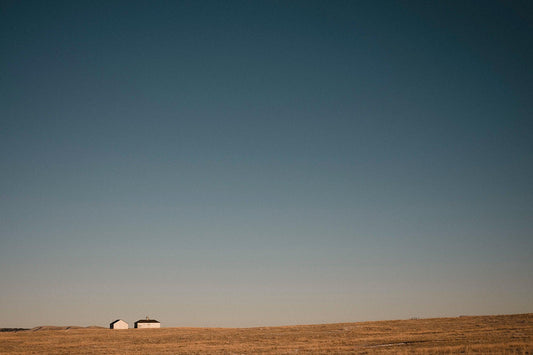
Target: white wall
x,y
148,325
120,325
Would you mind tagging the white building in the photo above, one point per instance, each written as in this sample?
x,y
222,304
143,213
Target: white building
x,y
118,324
147,323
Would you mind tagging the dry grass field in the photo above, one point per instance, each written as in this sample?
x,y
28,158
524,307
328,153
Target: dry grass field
x,y
507,334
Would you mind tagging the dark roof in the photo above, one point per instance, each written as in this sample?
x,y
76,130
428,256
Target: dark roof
x,y
116,321
147,321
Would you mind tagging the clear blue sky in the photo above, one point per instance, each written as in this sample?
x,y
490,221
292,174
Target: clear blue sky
x,y
264,163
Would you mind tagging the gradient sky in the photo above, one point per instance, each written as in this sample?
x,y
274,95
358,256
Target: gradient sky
x,y
242,163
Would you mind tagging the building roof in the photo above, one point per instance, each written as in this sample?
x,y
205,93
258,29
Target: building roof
x,y
118,320
147,321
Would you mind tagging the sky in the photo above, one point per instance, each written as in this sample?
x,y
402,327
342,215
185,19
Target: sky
x,y
251,163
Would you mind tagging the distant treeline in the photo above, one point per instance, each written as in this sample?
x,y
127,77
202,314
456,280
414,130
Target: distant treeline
x,y
12,329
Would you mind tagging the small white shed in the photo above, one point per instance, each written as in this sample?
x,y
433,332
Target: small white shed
x,y
147,323
118,324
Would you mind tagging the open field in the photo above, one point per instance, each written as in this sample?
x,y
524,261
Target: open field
x,y
507,334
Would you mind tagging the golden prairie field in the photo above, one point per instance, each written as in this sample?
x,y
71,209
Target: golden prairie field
x,y
506,334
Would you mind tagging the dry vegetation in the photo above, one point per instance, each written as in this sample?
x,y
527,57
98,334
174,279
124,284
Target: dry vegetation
x,y
509,334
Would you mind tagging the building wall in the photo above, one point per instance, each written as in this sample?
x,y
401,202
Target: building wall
x,y
120,325
148,325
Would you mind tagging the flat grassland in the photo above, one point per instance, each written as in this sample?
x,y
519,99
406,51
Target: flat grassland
x,y
506,334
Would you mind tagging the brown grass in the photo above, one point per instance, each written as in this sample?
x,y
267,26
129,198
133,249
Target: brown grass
x,y
508,334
